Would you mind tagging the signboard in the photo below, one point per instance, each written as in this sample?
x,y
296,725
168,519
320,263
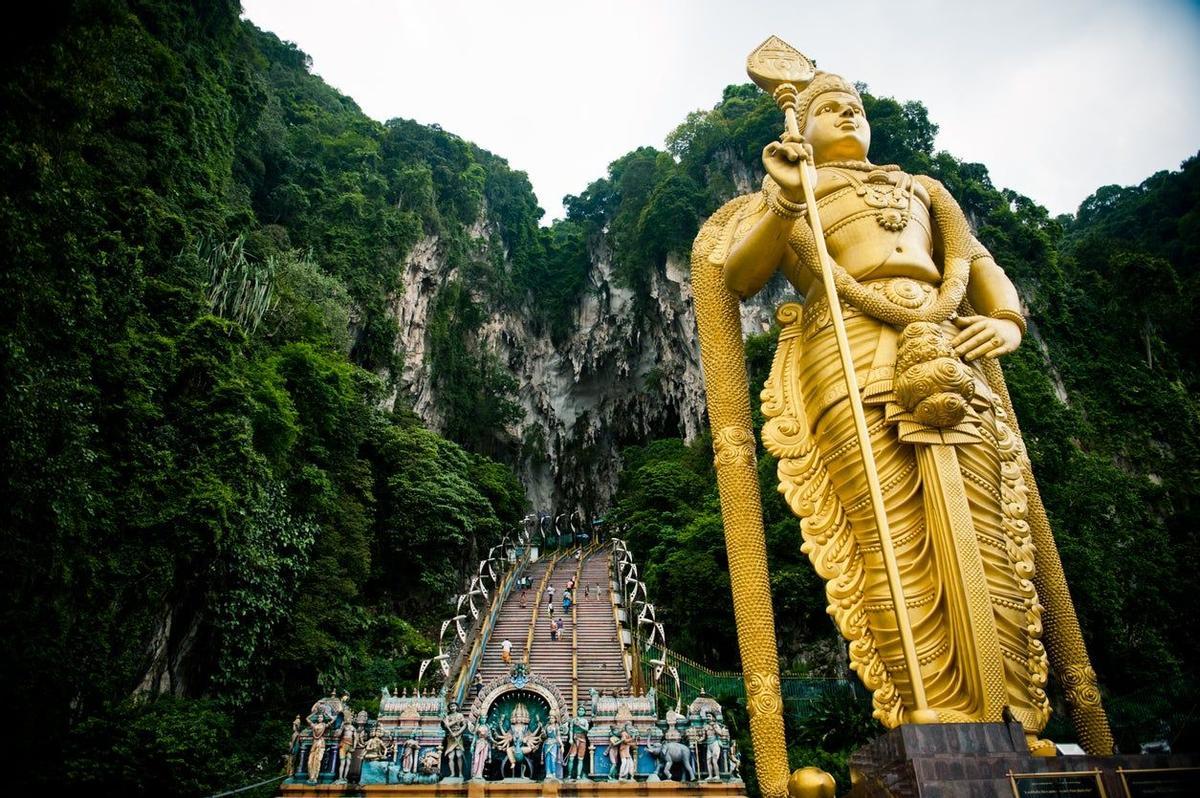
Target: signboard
x,y
1161,782
1078,784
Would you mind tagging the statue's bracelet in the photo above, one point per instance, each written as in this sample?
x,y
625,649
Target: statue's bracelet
x,y
1011,315
783,207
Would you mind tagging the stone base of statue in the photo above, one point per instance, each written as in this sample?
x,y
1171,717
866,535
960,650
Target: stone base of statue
x,y
966,760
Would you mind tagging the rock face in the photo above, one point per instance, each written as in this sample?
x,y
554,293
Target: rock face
x,y
621,377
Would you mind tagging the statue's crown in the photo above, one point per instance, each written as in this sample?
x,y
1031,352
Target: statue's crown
x,y
520,714
823,83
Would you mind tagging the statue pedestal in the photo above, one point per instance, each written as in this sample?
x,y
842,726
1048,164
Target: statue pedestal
x,y
966,760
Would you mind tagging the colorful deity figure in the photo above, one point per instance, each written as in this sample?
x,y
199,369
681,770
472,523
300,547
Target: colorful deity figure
x,y
429,770
580,726
518,740
376,746
552,748
291,758
320,726
455,725
614,752
481,749
410,753
712,746
345,748
628,749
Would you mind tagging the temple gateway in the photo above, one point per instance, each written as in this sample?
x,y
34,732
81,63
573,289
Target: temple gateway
x,y
583,699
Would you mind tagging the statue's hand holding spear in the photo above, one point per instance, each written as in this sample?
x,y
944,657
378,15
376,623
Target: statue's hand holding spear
x,y
785,161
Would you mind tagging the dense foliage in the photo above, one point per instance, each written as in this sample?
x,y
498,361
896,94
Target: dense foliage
x,y
202,499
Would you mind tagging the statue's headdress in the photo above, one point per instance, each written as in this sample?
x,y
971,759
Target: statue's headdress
x,y
823,83
520,714
792,79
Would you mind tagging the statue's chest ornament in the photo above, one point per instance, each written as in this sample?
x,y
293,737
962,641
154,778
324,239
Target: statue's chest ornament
x,y
891,194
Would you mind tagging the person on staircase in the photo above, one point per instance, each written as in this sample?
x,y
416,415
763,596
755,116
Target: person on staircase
x,y
506,651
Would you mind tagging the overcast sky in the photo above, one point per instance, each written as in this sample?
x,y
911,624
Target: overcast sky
x,y
1056,98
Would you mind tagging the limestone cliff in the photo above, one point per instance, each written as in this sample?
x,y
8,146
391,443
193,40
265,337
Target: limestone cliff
x,y
622,376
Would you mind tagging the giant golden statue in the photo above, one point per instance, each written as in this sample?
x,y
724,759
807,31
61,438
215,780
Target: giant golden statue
x,y
895,435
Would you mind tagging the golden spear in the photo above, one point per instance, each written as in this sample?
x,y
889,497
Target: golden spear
x,y
783,71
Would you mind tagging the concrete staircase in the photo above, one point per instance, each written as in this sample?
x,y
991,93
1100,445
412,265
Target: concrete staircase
x,y
513,624
601,655
597,658
551,659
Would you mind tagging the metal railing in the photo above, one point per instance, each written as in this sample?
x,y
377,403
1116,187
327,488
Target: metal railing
x,y
799,692
481,637
537,604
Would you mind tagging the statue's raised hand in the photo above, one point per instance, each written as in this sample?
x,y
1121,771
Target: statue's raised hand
x,y
783,161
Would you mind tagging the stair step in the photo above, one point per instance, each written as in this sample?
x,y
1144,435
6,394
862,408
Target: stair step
x,y
601,662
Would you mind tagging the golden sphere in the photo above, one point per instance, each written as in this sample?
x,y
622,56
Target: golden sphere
x,y
811,782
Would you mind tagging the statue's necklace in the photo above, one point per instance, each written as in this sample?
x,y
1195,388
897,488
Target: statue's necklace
x,y
954,278
891,196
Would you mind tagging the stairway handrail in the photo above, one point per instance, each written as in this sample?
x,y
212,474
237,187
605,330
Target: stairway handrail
x,y
575,636
723,674
480,640
707,671
586,552
615,584
537,603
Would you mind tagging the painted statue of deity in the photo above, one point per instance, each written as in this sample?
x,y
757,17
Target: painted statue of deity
x,y
481,749
552,748
345,750
320,727
712,747
455,725
927,311
518,739
577,761
614,752
376,747
410,754
628,749
429,768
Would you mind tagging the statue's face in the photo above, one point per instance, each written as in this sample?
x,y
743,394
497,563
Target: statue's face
x,y
837,128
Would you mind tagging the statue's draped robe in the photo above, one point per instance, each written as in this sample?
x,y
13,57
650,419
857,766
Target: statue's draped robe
x,y
955,497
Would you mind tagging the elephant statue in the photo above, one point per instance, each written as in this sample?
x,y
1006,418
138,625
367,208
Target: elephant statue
x,y
670,753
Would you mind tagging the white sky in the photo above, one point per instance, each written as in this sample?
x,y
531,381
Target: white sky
x,y
1056,97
